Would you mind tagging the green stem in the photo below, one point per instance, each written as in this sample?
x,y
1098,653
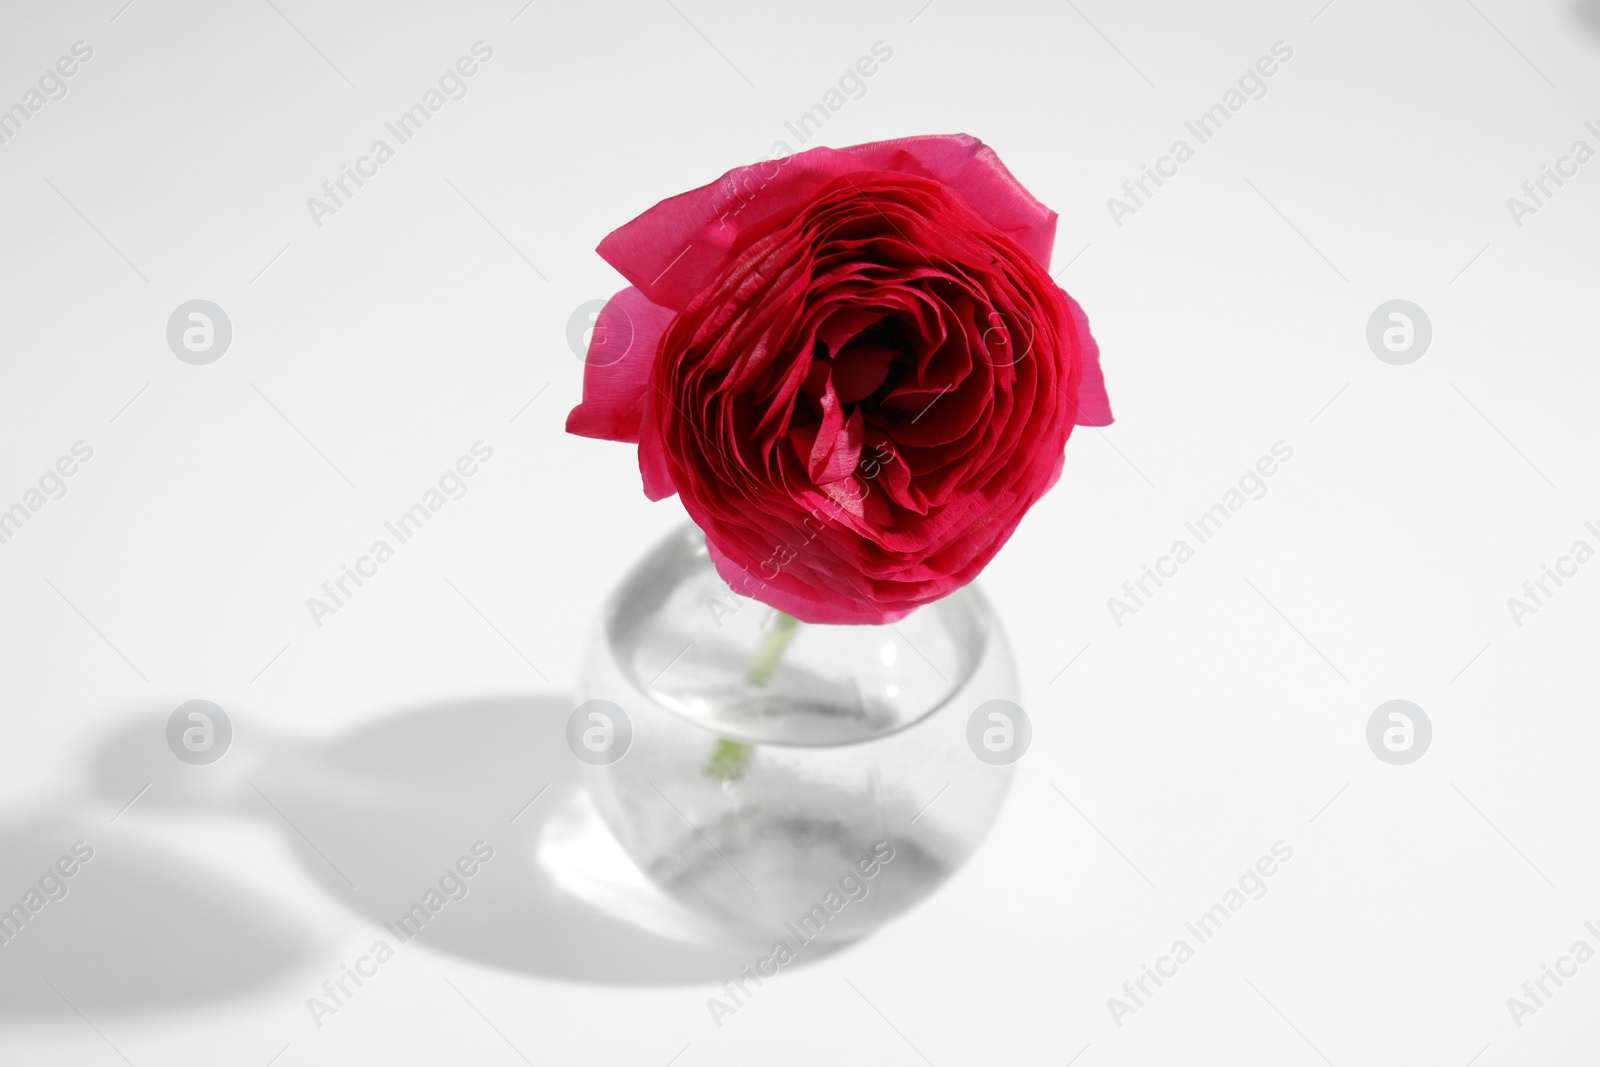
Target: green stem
x,y
773,645
730,758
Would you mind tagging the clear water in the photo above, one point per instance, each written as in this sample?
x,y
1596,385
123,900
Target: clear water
x,y
857,738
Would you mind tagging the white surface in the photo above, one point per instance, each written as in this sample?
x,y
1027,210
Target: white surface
x,y
1204,729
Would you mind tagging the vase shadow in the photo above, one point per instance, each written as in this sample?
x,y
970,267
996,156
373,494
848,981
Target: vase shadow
x,y
381,816
135,927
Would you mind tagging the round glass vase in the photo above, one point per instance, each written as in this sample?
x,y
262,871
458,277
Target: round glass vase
x,y
775,772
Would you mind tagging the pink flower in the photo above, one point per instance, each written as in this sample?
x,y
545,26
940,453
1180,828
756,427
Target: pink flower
x,y
851,364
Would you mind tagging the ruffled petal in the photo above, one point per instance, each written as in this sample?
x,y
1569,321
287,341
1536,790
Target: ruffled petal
x,y
653,465
819,608
972,169
616,372
1094,406
672,250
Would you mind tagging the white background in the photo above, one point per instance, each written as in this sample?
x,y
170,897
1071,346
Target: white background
x,y
372,351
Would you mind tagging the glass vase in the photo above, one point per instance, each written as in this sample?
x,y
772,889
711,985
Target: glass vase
x,y
795,781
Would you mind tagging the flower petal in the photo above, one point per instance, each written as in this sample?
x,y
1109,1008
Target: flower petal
x,y
1094,406
820,608
653,465
972,169
672,250
616,372
861,370
837,450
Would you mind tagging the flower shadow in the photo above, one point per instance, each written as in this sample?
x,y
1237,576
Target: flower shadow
x,y
134,927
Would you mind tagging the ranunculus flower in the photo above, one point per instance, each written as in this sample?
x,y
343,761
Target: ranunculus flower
x,y
851,364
